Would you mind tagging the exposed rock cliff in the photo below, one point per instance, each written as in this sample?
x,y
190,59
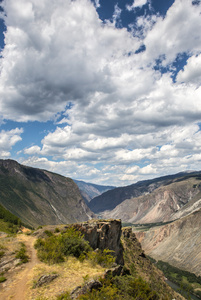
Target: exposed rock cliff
x,y
103,235
177,243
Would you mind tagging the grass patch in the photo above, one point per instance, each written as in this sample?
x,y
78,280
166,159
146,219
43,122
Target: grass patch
x,y
71,273
2,279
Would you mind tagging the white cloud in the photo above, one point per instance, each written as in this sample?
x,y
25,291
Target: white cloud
x,y
8,139
149,169
136,3
125,119
55,53
192,71
177,33
33,150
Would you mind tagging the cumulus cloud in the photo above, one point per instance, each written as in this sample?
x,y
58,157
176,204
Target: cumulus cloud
x,y
54,54
8,139
121,117
177,33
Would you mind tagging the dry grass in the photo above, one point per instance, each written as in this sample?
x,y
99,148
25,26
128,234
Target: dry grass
x,y
9,243
71,274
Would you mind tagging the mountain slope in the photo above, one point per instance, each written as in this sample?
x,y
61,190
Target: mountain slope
x,y
178,243
159,200
165,203
90,190
110,199
39,197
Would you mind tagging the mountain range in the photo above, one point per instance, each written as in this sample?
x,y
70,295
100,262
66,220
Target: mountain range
x,y
90,190
157,200
39,197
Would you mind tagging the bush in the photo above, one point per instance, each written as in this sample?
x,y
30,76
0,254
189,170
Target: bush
x,y
2,279
103,258
2,254
122,288
54,249
64,296
21,254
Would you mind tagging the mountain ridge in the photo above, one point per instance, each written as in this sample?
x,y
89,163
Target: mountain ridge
x,y
40,197
90,190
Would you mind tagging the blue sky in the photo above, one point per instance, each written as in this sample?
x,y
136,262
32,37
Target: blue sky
x,y
103,91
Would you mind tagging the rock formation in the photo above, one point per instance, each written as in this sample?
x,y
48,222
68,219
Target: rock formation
x,y
103,235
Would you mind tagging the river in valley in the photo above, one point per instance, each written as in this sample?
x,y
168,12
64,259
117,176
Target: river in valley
x,y
175,287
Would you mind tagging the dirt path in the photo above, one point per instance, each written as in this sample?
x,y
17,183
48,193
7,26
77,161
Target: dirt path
x,y
17,287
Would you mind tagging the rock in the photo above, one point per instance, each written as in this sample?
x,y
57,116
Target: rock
x,y
7,264
44,279
103,235
88,287
116,271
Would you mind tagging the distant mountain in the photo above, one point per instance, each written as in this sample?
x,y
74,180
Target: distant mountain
x,y
39,197
160,199
177,243
90,190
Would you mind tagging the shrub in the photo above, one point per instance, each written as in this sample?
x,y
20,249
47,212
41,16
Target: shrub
x,y
103,258
122,288
48,233
21,254
54,249
64,296
2,254
2,279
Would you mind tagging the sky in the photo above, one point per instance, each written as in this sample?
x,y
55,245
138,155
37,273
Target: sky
x,y
104,91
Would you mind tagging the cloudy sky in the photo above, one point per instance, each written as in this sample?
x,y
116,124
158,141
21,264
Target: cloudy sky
x,y
102,91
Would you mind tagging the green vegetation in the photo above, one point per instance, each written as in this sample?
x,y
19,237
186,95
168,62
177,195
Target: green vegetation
x,y
103,258
64,296
9,223
21,254
8,216
122,288
145,227
55,248
188,282
2,279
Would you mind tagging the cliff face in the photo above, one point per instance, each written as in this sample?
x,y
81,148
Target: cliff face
x,y
177,243
39,197
103,235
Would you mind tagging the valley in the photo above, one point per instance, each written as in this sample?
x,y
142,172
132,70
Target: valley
x,y
164,213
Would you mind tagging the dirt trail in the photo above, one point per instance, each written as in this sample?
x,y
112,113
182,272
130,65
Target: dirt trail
x,y
17,287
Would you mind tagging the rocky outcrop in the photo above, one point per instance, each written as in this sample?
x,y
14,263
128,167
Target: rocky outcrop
x,y
103,235
87,287
45,279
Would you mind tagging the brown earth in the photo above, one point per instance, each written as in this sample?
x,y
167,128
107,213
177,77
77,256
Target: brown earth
x,y
15,287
